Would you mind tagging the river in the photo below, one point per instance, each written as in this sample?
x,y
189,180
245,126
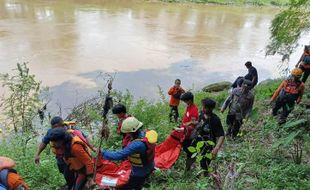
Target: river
x,y
68,43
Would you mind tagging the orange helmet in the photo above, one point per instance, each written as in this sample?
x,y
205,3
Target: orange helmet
x,y
297,72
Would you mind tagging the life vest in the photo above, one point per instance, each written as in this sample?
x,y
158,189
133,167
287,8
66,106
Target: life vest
x,y
140,160
292,87
59,152
73,162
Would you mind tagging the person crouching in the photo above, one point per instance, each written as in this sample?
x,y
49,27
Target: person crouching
x,y
140,152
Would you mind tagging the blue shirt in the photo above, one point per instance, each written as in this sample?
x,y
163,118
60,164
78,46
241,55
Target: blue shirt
x,y
46,139
133,148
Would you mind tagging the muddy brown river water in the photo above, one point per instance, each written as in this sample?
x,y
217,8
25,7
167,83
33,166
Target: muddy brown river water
x,y
68,43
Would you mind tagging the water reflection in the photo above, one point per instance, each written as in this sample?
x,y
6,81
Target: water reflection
x,y
147,43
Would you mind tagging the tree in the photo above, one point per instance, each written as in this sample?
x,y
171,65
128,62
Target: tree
x,y
287,28
22,101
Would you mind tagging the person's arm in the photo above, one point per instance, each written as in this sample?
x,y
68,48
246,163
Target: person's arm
x,y
277,92
42,146
171,91
301,92
132,148
79,152
300,60
227,102
219,134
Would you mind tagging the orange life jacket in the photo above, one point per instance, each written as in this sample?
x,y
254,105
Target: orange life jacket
x,y
73,162
292,87
59,152
140,160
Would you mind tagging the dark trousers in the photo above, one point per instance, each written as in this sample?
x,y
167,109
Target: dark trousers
x,y
287,107
234,125
174,113
68,174
305,75
134,183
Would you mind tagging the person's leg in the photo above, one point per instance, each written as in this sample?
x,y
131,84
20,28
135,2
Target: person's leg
x,y
236,127
134,183
204,164
69,176
305,75
171,114
80,182
230,121
287,108
279,103
189,161
176,114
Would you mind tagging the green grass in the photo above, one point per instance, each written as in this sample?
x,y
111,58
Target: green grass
x,y
263,167
235,2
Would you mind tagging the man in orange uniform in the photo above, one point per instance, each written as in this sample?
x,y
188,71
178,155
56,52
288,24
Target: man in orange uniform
x,y
289,92
9,178
175,93
76,156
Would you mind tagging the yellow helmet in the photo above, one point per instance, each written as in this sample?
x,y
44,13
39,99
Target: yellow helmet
x,y
130,125
297,72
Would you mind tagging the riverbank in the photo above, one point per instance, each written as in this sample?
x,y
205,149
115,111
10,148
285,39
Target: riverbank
x,y
261,164
235,2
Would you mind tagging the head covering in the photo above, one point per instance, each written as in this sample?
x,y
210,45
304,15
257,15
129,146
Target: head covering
x,y
131,125
297,72
208,103
56,120
187,96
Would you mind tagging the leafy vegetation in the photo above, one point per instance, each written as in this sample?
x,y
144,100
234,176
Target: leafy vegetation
x,y
287,28
263,157
235,2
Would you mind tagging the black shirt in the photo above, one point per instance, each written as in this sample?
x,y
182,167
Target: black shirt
x,y
253,73
210,128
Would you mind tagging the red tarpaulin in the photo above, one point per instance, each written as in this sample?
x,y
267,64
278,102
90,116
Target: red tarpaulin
x,y
110,174
167,153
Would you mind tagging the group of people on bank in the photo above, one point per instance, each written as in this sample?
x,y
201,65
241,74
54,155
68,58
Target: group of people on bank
x,y
73,151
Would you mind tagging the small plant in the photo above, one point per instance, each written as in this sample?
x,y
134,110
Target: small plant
x,y
294,133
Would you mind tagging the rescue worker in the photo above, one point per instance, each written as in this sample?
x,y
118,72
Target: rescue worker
x,y
304,64
252,73
289,92
9,178
57,122
190,120
120,111
140,152
209,128
240,103
175,93
76,156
